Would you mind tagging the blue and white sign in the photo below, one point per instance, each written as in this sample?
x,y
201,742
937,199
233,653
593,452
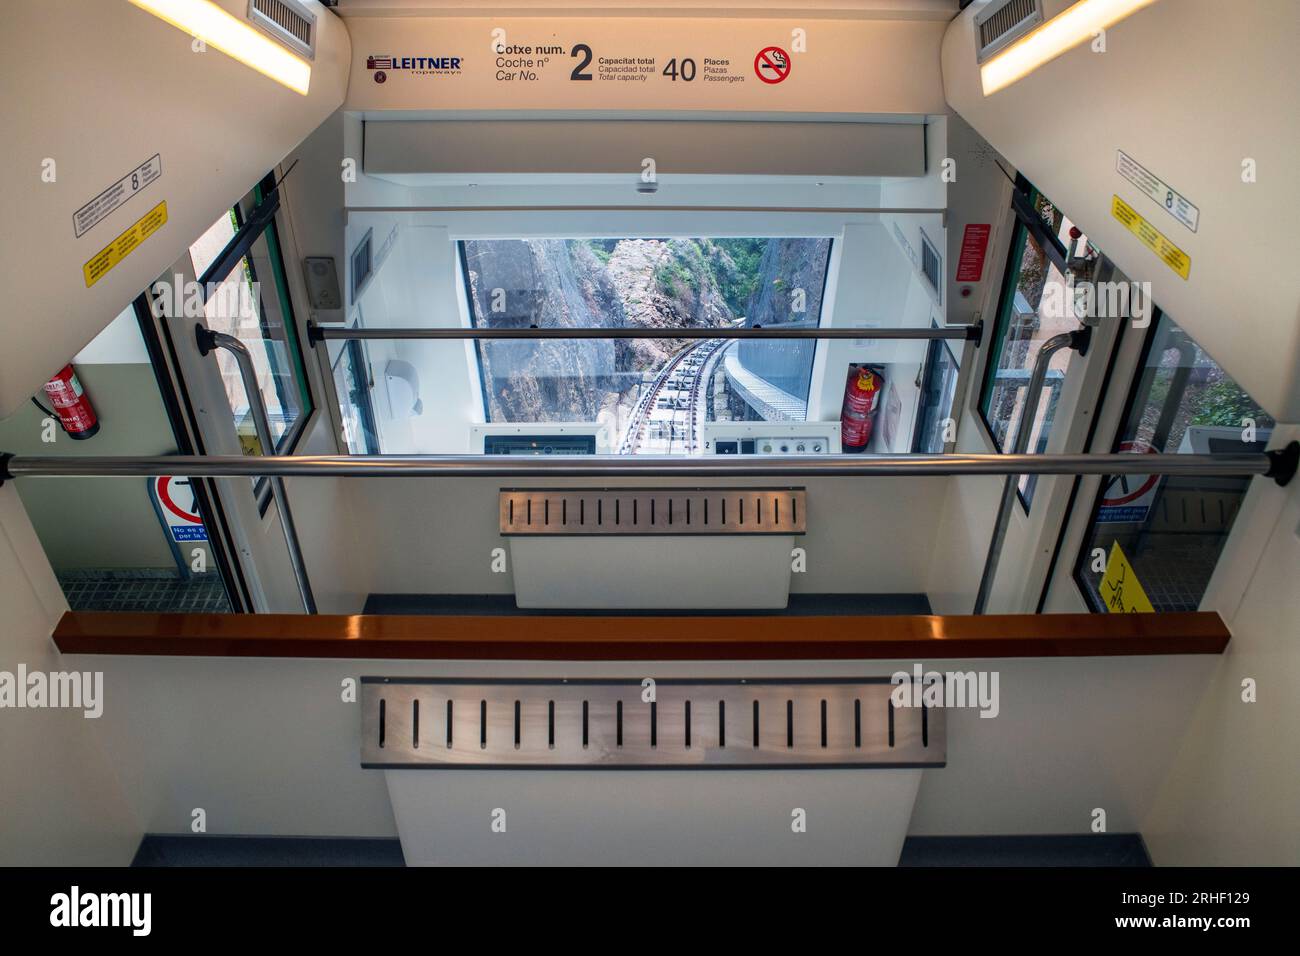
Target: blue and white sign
x,y
1128,499
174,499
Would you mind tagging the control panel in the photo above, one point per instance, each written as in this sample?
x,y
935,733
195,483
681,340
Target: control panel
x,y
771,438
537,438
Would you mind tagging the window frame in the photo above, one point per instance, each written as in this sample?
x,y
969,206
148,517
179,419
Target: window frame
x,y
472,314
259,222
184,423
354,351
936,349
1027,224
1137,387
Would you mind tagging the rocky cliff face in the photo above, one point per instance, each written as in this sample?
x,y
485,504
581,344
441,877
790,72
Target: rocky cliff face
x,y
788,290
664,284
791,277
618,283
554,283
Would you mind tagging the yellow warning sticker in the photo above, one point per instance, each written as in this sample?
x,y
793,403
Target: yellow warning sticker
x,y
1151,237
125,244
1120,588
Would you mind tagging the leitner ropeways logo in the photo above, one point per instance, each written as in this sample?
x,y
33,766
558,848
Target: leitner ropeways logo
x,y
415,65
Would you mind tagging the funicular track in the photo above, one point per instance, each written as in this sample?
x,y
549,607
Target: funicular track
x,y
648,407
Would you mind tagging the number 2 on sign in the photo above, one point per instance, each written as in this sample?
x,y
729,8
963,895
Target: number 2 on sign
x,y
580,71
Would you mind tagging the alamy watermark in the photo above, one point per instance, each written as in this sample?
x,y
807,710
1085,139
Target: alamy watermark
x,y
976,689
236,300
130,910
71,690
1085,299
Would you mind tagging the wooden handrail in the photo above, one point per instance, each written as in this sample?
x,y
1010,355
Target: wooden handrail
x,y
549,637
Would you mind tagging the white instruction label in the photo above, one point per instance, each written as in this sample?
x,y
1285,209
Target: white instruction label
x,y
1170,199
98,209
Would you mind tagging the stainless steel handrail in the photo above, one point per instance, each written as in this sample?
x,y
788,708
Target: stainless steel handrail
x,y
320,333
209,340
1279,465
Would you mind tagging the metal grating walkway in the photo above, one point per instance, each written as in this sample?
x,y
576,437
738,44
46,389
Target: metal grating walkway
x,y
771,403
143,589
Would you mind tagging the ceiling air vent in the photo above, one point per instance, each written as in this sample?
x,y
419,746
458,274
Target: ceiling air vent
x,y
1001,24
932,266
288,21
605,724
553,512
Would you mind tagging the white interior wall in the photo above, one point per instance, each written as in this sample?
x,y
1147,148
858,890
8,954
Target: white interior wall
x,y
902,378
328,531
1227,783
120,343
437,537
1234,784
61,800
217,126
1192,110
269,747
977,195
418,285
875,287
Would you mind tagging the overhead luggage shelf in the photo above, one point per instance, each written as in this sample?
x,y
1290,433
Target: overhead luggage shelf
x,y
641,637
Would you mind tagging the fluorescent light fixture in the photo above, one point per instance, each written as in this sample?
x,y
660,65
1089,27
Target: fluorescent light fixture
x,y
235,38
1063,32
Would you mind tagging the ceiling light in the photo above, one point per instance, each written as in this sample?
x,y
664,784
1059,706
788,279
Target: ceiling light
x,y
1075,25
235,38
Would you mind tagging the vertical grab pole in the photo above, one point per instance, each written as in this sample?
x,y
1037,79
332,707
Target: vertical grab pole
x,y
209,340
1078,341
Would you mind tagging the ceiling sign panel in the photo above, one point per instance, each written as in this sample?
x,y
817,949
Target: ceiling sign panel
x,y
620,63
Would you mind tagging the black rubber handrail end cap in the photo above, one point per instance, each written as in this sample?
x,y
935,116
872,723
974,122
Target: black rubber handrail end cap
x,y
1283,463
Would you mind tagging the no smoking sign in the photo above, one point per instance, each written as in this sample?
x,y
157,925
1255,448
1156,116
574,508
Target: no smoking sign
x,y
772,65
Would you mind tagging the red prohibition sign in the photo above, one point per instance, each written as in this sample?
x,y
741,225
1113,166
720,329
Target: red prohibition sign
x,y
164,495
1125,495
774,60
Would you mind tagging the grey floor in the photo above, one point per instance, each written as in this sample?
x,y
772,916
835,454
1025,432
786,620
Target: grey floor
x,y
188,850
1099,849
143,589
1119,849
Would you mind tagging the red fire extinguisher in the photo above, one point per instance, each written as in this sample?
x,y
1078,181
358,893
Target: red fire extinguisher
x,y
861,397
76,414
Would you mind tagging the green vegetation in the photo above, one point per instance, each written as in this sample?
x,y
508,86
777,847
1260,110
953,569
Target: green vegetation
x,y
602,249
733,264
687,268
1224,403
739,283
